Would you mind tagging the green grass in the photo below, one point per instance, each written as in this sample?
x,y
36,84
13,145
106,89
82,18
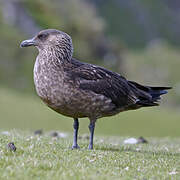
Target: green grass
x,y
43,157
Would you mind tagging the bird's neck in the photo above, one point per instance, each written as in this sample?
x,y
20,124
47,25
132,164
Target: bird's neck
x,y
56,57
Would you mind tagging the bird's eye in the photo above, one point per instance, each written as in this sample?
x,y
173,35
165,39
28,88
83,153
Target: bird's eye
x,y
42,36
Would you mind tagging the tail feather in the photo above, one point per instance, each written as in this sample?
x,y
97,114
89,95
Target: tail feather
x,y
147,95
156,92
146,103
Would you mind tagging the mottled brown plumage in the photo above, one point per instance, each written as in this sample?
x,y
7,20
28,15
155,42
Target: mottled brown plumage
x,y
77,89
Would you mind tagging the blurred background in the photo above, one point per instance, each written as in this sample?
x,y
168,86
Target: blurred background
x,y
138,39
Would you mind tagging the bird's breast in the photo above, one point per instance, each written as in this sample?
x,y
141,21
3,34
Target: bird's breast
x,y
49,83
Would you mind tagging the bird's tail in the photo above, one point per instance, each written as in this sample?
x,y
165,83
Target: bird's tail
x,y
149,96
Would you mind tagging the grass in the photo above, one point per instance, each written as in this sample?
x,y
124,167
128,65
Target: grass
x,y
44,157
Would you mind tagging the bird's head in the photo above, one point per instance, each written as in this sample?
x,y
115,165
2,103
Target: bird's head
x,y
51,40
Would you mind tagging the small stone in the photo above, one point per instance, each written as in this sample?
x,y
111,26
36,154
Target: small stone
x,y
127,168
38,132
54,134
173,172
141,140
130,141
11,147
62,135
5,133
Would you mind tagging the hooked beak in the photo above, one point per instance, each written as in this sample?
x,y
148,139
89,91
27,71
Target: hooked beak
x,y
29,42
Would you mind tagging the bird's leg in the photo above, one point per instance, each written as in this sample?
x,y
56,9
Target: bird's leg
x,y
91,129
76,127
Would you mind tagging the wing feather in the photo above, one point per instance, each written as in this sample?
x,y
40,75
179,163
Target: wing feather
x,y
104,82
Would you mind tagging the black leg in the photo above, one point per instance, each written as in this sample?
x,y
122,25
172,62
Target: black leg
x,y
91,129
76,127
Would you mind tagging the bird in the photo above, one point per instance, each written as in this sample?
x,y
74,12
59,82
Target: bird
x,y
77,89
